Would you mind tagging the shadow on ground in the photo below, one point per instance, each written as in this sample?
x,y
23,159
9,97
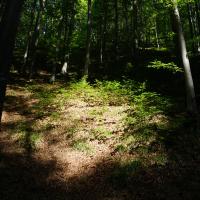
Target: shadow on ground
x,y
24,177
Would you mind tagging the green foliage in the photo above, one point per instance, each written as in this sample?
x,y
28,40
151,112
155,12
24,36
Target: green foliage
x,y
123,173
160,159
46,97
121,148
129,68
101,93
101,134
26,136
150,103
97,112
82,145
171,67
55,115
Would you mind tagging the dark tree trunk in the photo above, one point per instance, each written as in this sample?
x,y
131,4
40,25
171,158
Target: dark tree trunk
x,y
156,34
67,40
101,33
2,8
88,43
35,39
116,31
28,46
8,29
58,45
125,4
105,20
192,30
198,15
135,28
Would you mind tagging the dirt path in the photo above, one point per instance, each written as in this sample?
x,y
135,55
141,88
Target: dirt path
x,y
54,170
56,146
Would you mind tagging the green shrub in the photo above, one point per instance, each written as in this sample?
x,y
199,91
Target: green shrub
x,y
171,67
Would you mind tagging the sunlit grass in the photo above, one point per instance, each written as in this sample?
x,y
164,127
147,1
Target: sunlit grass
x,y
25,135
82,145
146,117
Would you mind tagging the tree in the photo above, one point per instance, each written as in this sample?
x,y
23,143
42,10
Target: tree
x,y
88,42
8,29
190,93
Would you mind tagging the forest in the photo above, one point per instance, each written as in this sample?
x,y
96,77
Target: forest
x,y
99,99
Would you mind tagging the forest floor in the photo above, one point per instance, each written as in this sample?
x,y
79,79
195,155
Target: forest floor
x,y
107,141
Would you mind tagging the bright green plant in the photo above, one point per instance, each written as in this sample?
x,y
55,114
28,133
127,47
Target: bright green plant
x,y
171,67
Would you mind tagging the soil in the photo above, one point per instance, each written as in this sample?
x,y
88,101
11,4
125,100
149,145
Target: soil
x,y
55,170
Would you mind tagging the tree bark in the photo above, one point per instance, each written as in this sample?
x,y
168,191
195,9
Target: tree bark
x,y
2,9
192,30
135,28
88,43
35,38
198,15
105,21
28,46
8,29
69,27
156,34
190,93
116,31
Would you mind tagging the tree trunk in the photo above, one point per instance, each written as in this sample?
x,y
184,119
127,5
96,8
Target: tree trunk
x,y
101,32
198,16
125,11
8,29
116,31
156,34
2,9
190,94
35,39
135,28
105,20
88,43
191,26
67,39
28,46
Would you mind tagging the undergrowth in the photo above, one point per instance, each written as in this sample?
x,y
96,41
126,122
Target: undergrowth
x,y
145,122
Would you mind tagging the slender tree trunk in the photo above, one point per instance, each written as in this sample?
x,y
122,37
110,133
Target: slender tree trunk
x,y
156,33
135,28
116,31
198,16
125,4
65,51
28,46
105,20
67,39
2,9
191,101
66,26
88,43
8,29
191,26
57,53
101,41
197,23
126,15
35,38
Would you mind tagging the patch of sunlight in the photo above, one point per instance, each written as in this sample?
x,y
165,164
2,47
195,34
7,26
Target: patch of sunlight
x,y
82,145
101,133
98,111
28,140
